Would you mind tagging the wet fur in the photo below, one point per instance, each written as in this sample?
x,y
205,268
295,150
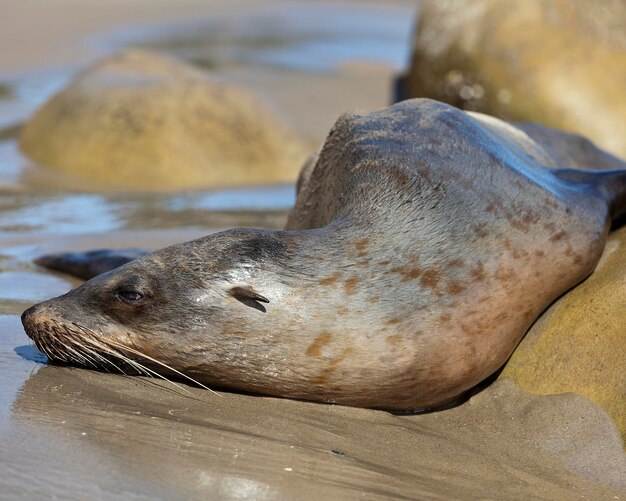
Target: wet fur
x,y
423,244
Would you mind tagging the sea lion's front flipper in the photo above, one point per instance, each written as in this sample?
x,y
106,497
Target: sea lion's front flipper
x,y
89,264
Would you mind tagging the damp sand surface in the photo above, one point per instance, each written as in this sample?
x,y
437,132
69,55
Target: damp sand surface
x,y
70,433
77,434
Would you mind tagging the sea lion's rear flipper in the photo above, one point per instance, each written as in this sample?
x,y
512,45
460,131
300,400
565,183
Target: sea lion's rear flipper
x,y
610,184
89,264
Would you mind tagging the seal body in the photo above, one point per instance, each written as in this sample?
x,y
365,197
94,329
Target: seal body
x,y
423,244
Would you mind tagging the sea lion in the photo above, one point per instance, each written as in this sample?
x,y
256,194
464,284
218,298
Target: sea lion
x,y
423,244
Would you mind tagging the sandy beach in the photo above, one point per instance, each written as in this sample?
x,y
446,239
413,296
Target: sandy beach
x,y
70,433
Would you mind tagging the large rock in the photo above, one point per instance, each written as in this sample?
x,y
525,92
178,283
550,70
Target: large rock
x,y
561,64
579,344
139,120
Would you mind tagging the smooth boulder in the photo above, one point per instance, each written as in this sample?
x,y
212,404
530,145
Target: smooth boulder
x,y
560,64
579,344
139,120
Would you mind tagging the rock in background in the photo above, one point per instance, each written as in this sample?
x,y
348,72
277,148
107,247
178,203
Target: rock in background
x,y
579,344
138,120
557,63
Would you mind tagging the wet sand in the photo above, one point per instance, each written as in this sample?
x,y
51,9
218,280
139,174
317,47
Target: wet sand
x,y
76,434
131,438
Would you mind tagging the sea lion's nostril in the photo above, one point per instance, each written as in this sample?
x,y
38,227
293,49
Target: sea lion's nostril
x,y
28,314
33,315
35,320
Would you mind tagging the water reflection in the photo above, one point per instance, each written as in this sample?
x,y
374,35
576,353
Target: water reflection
x,y
11,162
25,92
57,214
34,88
264,198
30,353
298,37
29,287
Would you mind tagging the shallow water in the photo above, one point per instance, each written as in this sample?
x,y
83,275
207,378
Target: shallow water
x,y
301,37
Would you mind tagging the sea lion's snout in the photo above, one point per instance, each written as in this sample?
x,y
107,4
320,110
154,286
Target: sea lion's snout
x,y
28,315
57,337
41,324
35,317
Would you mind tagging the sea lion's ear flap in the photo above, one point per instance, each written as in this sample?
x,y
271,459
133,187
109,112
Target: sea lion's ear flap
x,y
244,294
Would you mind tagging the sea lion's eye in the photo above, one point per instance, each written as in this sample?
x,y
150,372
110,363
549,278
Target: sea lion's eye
x,y
130,296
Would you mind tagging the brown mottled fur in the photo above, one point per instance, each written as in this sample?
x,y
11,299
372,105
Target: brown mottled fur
x,y
423,244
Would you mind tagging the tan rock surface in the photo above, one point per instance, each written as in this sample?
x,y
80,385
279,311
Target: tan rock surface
x,y
579,344
558,63
139,120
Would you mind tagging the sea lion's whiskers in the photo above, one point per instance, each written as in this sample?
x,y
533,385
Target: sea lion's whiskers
x,y
106,360
94,343
99,346
142,369
62,347
152,374
136,352
72,344
64,341
80,357
62,353
55,351
41,346
100,358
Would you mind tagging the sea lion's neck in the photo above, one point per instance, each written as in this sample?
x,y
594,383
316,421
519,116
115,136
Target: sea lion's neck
x,y
330,256
318,280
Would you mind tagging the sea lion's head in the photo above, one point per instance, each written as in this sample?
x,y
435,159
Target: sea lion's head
x,y
202,307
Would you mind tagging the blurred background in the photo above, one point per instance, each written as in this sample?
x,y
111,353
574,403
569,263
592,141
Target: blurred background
x,y
301,63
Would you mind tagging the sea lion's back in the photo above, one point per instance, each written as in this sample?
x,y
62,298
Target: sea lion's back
x,y
404,159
